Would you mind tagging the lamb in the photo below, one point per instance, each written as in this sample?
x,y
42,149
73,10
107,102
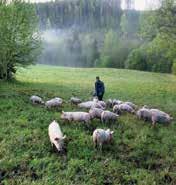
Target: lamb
x,y
123,108
101,136
95,113
107,116
54,103
75,100
76,116
56,136
160,117
36,100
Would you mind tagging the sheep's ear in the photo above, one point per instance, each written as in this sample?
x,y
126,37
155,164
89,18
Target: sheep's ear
x,y
56,139
112,132
108,130
62,112
171,118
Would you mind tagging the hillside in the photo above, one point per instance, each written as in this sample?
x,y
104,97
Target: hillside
x,y
140,154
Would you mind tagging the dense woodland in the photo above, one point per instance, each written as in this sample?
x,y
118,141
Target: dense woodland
x,y
101,34
92,33
87,15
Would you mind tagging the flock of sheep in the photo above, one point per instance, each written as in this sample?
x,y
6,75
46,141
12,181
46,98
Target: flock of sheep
x,y
97,110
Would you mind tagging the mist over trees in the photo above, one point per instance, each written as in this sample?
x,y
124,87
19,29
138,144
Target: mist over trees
x,y
92,33
99,33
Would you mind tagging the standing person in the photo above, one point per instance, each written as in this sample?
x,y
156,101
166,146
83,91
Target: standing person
x,y
99,88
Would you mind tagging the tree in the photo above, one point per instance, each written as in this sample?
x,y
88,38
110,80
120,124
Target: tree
x,y
156,56
109,50
95,53
19,38
137,60
130,23
158,32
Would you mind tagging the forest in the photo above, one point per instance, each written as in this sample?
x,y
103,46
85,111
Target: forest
x,y
101,34
87,33
81,33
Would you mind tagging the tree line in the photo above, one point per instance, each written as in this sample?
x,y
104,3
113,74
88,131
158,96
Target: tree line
x,y
158,31
142,40
102,34
83,13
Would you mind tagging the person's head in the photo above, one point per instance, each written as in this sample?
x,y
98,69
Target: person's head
x,y
97,78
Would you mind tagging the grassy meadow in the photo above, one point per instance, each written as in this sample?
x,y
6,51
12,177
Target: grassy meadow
x,y
139,155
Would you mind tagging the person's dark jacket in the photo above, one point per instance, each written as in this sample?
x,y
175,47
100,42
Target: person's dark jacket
x,y
99,88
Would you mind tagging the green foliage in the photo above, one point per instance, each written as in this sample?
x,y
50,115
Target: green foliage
x,y
115,50
156,56
90,50
18,36
90,15
174,67
148,27
109,50
130,23
158,32
137,60
118,43
140,154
